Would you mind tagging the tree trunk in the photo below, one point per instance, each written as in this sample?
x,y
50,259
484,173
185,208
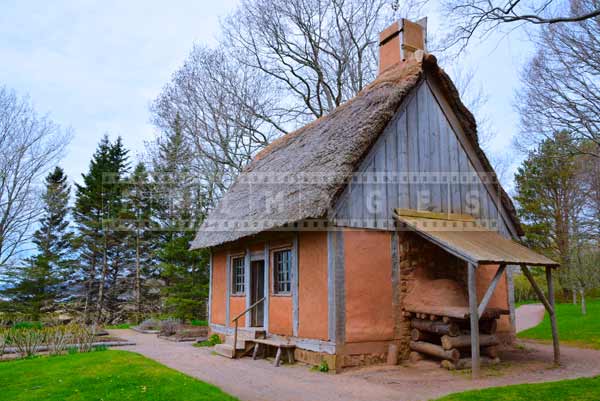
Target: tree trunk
x,y
137,277
583,306
102,281
574,297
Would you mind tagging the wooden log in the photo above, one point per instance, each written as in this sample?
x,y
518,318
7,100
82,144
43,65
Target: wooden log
x,y
465,363
435,350
464,340
415,356
441,328
490,351
420,335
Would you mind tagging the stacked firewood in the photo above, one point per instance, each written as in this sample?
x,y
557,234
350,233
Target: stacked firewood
x,y
449,339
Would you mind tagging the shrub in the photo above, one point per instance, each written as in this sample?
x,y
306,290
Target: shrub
x,y
27,340
196,322
28,325
169,327
99,348
324,366
58,337
84,336
211,342
3,340
150,324
72,350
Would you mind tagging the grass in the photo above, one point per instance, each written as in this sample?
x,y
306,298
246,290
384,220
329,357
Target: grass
x,y
566,390
196,322
107,376
118,326
573,327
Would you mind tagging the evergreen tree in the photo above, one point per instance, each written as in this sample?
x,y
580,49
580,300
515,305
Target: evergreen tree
x,y
550,200
181,207
143,239
99,206
43,281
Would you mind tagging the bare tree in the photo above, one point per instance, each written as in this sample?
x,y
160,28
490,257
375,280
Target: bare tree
x,y
470,17
225,113
319,53
29,146
562,82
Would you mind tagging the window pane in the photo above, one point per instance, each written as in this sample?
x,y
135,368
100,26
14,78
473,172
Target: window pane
x,y
282,265
238,271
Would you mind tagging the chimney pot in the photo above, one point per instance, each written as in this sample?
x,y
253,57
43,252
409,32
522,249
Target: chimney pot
x,y
399,41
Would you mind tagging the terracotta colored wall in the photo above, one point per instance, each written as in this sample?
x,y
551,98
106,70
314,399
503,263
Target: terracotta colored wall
x,y
280,315
485,274
219,288
237,304
368,261
312,283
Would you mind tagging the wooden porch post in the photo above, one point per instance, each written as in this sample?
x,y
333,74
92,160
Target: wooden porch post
x,y
474,314
552,314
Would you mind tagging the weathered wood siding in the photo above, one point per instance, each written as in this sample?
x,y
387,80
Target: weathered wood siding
x,y
419,162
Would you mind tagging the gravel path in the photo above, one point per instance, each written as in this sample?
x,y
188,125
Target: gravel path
x,y
528,316
260,381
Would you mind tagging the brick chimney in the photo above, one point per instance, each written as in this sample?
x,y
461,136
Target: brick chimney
x,y
399,41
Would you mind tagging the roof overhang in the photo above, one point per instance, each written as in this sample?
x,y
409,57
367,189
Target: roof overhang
x,y
469,239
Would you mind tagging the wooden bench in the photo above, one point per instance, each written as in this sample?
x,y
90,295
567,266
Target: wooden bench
x,y
280,345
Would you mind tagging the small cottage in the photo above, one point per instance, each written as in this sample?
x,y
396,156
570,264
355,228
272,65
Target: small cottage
x,y
370,233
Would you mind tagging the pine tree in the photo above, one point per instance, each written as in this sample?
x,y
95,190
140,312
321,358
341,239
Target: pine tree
x,y
43,281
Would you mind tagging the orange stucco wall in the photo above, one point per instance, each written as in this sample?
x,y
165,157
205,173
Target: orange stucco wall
x,y
312,285
280,315
237,304
219,288
485,274
368,261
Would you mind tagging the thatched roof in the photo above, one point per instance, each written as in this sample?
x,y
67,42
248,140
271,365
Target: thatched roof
x,y
334,145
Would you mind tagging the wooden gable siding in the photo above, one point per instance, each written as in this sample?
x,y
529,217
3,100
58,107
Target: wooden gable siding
x,y
433,171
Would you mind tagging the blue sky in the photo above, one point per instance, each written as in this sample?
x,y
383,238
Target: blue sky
x,y
95,66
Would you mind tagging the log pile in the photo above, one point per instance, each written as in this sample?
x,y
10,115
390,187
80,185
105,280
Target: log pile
x,y
448,338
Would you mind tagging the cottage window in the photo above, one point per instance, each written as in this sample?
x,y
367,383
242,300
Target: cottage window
x,y
282,265
238,276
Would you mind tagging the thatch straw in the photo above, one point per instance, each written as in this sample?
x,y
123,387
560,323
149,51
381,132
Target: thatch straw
x,y
332,145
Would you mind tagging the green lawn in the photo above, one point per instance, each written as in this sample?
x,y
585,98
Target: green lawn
x,y
107,376
566,390
573,327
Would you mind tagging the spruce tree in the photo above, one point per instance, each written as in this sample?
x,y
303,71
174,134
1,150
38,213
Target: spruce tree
x,y
180,209
142,239
43,281
98,207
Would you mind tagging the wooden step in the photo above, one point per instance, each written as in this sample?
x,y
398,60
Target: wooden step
x,y
225,350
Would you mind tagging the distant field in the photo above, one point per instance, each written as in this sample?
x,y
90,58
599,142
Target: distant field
x,y
107,376
573,327
566,390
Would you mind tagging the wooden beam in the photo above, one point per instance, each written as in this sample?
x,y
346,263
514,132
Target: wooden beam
x,y
491,289
537,289
553,316
475,358
434,215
